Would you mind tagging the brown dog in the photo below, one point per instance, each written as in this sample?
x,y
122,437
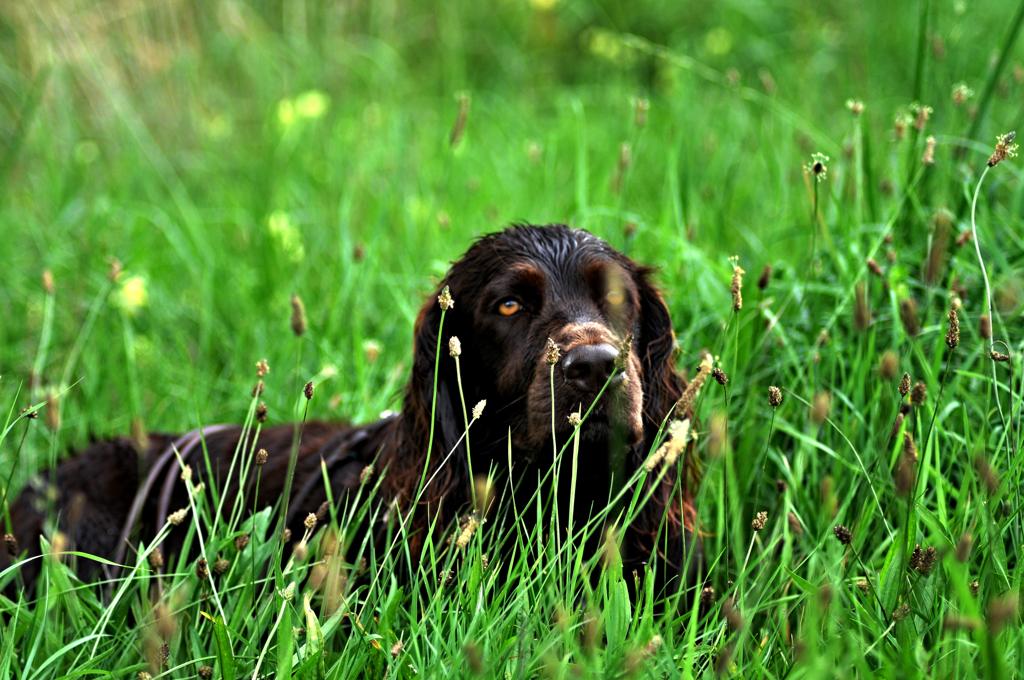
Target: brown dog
x,y
530,304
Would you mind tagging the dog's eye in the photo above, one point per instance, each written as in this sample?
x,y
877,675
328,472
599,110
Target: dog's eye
x,y
509,307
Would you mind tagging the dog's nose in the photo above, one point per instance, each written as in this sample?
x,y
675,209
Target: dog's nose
x,y
588,367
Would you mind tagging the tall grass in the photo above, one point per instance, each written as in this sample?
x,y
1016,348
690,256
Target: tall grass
x,y
230,155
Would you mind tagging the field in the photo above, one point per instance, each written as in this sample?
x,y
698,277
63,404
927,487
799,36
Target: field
x,y
173,172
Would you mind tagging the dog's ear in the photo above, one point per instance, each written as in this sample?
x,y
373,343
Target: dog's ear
x,y
421,400
656,345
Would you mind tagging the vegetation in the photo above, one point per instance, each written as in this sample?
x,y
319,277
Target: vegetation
x,y
174,172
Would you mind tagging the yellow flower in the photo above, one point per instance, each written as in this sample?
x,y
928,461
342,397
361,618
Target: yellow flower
x,y
132,295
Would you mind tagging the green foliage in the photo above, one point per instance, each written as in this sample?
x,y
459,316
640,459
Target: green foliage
x,y
230,154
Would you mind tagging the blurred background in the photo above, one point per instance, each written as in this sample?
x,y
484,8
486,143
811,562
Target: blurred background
x,y
228,154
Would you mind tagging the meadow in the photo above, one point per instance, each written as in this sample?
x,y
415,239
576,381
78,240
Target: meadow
x,y
173,172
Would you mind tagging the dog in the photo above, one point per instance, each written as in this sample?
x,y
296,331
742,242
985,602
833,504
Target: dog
x,y
551,325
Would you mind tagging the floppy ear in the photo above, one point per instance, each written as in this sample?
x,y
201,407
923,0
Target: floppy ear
x,y
420,409
662,385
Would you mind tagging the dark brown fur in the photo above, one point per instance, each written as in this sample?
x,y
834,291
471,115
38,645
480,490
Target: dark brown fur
x,y
572,287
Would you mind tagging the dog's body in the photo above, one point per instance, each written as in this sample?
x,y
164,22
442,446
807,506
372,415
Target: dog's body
x,y
541,312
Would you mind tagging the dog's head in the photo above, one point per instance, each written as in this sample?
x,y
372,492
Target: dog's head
x,y
551,321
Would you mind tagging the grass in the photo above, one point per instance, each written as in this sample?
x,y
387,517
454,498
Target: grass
x,y
229,155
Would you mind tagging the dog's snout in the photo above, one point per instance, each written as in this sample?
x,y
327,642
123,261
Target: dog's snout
x,y
588,367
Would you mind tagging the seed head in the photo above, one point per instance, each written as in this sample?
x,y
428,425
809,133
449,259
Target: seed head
x,y
765,278
901,612
908,315
888,365
736,287
818,166
202,569
307,391
820,407
261,457
919,394
759,521
861,308
261,412
445,299
953,332
874,267
48,286
961,93
794,524
999,357
11,543
178,516
774,396
855,106
985,327
719,375
262,368
575,419
310,521
298,316
397,648
241,541
478,409
221,566
732,613
843,534
1006,147
1003,610
371,351
205,672
921,113
552,353
707,596
963,547
454,346
258,388
466,535
987,474
693,388
904,387
366,474
928,157
899,125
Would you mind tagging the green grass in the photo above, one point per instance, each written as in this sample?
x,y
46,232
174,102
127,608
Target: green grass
x,y
176,137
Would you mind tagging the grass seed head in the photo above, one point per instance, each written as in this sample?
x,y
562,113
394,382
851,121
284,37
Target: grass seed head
x,y
261,457
961,93
1006,147
843,534
298,316
310,521
445,299
987,474
241,541
928,157
963,547
904,387
454,347
855,106
205,672
736,286
262,368
261,412
908,316
985,327
794,524
202,569
221,566
888,365
774,396
1003,610
875,268
156,559
901,612
919,394
953,331
765,278
178,516
552,353
861,308
719,375
759,521
307,391
820,407
11,543
999,357
818,167
922,113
